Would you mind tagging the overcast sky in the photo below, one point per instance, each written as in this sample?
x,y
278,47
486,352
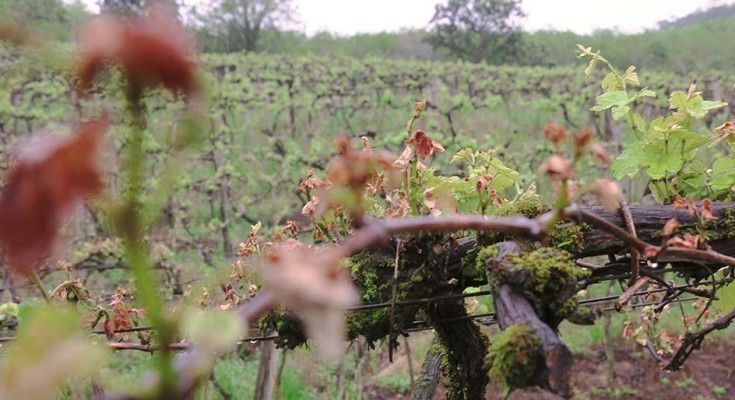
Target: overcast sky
x,y
581,16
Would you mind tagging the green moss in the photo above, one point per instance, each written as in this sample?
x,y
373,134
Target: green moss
x,y
569,238
372,272
366,278
289,328
527,204
548,278
474,262
582,316
515,357
720,229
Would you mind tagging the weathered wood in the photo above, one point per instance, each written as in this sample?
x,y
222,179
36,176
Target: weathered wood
x,y
266,381
650,220
465,348
512,308
431,369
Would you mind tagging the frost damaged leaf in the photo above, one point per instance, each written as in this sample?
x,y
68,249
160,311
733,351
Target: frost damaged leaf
x,y
424,144
557,168
150,51
50,349
608,194
48,179
314,284
707,212
671,227
554,133
401,163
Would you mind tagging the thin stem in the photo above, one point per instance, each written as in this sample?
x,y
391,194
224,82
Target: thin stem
x,y
132,228
41,288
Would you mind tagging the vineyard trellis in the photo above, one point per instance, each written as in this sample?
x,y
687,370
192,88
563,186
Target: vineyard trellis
x,y
410,238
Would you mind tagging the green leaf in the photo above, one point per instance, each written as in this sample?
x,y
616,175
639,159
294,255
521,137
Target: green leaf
x,y
631,77
691,140
49,350
610,99
723,174
699,109
628,163
659,191
678,101
464,155
693,105
659,162
611,82
692,185
636,121
620,111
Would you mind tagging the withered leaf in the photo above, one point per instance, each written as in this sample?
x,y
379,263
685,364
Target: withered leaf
x,y
314,283
425,145
554,133
150,51
48,179
608,193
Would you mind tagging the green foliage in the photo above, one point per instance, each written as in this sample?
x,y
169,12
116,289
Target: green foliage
x,y
54,18
478,30
127,8
665,148
396,381
236,25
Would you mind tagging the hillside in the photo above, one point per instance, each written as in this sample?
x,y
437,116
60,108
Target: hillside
x,y
700,41
700,16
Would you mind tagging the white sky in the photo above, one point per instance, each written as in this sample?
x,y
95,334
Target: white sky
x,y
581,16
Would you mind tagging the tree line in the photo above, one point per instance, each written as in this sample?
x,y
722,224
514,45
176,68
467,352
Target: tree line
x,y
469,30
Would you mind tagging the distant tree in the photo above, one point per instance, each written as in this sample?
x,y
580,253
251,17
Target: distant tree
x,y
137,7
34,10
239,24
478,30
122,7
53,18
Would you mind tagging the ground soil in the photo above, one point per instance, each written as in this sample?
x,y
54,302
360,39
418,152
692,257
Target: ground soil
x,y
707,375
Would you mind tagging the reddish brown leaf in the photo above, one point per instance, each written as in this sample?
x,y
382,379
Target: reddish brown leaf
x,y
725,131
688,204
557,168
310,208
483,183
688,242
399,207
583,138
291,228
401,163
554,133
311,183
150,51
356,168
601,154
671,227
651,252
49,178
424,144
707,210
